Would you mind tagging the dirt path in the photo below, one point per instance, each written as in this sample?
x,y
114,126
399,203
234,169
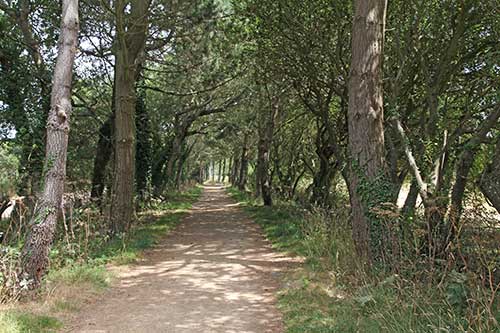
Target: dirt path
x,y
214,273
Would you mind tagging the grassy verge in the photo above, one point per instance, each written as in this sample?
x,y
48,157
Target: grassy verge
x,y
332,293
75,280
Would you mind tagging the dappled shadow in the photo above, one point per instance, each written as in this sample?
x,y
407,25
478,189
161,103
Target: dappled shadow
x,y
214,273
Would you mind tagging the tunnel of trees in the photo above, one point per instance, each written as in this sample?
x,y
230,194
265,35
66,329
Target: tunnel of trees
x,y
388,111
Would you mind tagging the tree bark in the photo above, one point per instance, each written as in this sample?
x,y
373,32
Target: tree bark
x,y
224,170
230,170
490,180
236,170
131,34
365,115
103,154
463,167
219,174
266,132
143,148
242,179
35,254
411,200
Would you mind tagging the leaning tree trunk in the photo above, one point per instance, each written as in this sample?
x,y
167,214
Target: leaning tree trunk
x,y
463,168
366,116
35,254
131,35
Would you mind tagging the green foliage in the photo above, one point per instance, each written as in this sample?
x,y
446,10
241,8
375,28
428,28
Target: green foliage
x,y
9,165
331,293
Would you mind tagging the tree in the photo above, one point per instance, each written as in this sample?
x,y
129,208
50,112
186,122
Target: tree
x,y
35,256
131,29
267,122
366,120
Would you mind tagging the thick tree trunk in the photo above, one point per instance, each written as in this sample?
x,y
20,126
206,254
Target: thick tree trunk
x,y
35,254
366,116
131,34
122,194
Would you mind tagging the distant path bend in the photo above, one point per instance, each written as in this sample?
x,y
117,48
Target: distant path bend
x,y
214,273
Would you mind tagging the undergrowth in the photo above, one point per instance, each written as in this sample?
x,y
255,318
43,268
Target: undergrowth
x,y
78,265
332,292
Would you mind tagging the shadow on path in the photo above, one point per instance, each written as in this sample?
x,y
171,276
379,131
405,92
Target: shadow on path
x,y
214,273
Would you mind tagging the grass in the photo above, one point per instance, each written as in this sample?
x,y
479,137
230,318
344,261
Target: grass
x,y
73,280
14,322
331,292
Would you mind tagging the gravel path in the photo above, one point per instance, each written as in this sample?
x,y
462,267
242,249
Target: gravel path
x,y
214,273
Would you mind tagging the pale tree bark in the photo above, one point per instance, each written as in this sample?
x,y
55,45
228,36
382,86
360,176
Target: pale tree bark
x,y
131,29
35,254
365,113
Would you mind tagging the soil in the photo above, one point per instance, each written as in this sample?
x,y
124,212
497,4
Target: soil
x,y
214,273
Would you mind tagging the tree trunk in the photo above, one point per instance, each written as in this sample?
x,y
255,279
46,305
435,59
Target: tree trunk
x,y
35,254
463,167
266,132
143,148
322,181
411,200
224,171
103,153
131,34
490,180
229,170
219,174
365,117
157,173
243,172
122,194
175,154
235,171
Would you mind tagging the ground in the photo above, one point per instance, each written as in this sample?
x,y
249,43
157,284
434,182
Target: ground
x,y
214,273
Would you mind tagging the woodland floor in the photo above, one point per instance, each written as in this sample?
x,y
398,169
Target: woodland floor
x,y
214,273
